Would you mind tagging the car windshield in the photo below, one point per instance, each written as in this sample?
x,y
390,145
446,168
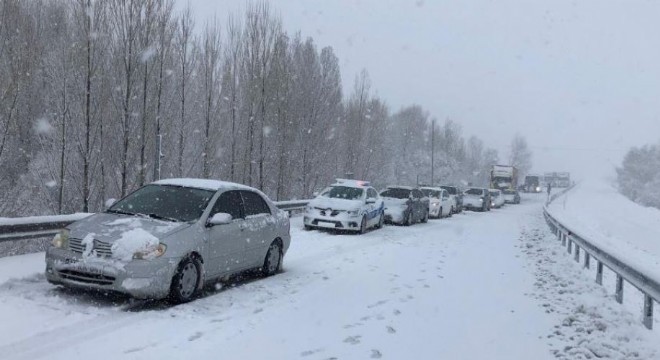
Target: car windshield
x,y
509,192
165,202
450,189
396,193
494,193
431,193
344,192
478,192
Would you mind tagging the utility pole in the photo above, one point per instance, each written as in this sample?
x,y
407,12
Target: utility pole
x,y
433,152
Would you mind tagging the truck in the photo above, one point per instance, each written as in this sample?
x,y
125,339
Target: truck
x,y
563,179
532,183
504,177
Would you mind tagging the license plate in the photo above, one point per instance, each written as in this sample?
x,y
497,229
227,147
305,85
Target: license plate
x,y
90,270
326,224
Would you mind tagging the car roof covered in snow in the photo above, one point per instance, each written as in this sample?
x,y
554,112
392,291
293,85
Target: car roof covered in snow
x,y
351,183
203,184
400,187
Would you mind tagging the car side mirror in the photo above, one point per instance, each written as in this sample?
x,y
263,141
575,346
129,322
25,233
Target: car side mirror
x,y
110,202
371,201
220,219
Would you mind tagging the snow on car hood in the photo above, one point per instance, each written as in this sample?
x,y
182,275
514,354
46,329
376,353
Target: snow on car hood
x,y
394,201
335,204
111,227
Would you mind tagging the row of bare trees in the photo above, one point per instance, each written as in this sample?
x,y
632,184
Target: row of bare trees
x,y
100,97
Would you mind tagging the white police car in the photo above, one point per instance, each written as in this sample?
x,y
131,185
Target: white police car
x,y
346,205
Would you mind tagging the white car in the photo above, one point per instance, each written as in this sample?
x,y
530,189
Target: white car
x,y
346,205
441,204
496,198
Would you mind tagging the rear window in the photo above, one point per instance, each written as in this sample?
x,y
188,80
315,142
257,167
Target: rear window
x,y
450,189
431,193
475,192
396,193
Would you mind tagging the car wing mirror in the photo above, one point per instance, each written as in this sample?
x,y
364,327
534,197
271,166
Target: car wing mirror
x,y
220,219
110,202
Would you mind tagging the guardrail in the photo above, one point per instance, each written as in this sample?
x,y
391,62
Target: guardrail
x,y
43,226
575,244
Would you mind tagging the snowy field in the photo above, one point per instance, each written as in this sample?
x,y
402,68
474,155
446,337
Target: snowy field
x,y
475,286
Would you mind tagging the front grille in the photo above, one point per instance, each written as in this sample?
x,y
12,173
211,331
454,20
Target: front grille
x,y
87,278
101,248
328,212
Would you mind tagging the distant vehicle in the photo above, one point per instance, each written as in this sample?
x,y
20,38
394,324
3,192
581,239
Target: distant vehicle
x,y
440,203
170,237
351,205
405,205
511,196
496,198
503,177
476,199
563,179
457,194
533,184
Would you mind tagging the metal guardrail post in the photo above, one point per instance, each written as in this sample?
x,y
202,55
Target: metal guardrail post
x,y
619,289
587,260
599,273
648,312
570,246
577,253
563,239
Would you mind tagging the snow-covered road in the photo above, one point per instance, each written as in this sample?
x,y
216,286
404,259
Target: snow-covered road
x,y
475,286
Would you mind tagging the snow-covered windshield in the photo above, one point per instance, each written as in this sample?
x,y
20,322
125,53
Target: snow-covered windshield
x,y
174,203
431,193
475,191
344,192
494,194
396,193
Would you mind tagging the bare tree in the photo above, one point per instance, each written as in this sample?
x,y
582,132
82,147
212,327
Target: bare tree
x,y
520,155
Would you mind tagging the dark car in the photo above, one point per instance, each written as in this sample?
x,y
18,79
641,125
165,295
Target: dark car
x,y
405,205
456,192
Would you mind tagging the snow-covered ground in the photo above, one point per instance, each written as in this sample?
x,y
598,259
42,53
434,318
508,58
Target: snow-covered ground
x,y
597,211
476,286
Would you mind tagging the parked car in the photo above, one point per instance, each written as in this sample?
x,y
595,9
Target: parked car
x,y
440,203
346,205
496,198
405,205
456,193
168,238
511,196
476,199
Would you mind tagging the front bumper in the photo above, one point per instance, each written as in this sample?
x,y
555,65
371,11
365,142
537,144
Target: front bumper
x,y
434,211
396,216
142,279
339,222
473,204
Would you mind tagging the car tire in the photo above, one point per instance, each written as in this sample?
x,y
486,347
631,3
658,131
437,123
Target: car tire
x,y
381,221
452,211
363,225
273,260
308,228
185,282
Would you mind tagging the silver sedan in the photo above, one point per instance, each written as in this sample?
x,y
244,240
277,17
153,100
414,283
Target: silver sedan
x,y
168,238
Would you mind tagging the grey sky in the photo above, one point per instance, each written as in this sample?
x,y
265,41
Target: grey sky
x,y
579,79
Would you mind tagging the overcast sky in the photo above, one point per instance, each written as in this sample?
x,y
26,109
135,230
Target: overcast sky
x,y
579,79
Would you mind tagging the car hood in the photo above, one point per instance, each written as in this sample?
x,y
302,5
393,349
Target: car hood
x,y
108,227
336,204
394,201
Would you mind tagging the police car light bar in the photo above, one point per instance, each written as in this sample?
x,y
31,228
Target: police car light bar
x,y
353,182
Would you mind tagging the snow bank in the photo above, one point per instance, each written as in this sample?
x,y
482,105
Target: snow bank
x,y
132,241
598,212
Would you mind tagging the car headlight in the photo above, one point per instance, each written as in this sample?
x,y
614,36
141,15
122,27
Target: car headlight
x,y
61,239
150,253
355,212
435,204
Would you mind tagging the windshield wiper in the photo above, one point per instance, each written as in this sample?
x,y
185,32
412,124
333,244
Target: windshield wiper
x,y
120,212
160,217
